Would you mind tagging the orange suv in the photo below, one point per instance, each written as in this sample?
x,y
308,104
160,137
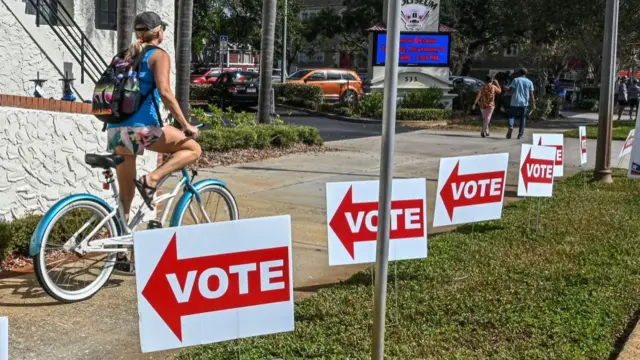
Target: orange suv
x,y
336,84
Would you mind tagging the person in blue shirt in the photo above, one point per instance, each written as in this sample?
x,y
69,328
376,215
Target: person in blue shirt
x,y
521,91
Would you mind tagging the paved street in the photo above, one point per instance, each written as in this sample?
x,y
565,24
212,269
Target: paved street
x,y
105,327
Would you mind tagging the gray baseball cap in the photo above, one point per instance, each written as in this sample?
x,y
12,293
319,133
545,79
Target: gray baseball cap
x,y
148,20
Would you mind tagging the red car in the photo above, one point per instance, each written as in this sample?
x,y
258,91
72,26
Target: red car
x,y
208,76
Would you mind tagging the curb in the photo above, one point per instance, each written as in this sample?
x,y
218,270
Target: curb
x,y
333,116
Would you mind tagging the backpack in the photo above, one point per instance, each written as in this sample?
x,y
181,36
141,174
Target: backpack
x,y
117,94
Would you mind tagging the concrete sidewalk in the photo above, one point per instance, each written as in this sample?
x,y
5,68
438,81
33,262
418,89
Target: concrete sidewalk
x,y
106,326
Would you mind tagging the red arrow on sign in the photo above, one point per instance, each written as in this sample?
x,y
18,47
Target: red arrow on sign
x,y
538,171
471,189
224,281
358,222
583,143
559,156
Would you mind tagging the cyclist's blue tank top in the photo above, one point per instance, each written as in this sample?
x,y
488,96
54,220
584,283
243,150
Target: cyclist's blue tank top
x,y
147,115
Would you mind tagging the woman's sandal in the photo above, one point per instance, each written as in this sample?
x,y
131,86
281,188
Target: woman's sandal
x,y
142,187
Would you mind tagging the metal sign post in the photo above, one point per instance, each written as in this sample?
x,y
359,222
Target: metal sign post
x,y
386,177
224,47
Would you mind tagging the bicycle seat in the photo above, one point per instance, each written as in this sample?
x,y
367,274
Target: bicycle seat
x,y
103,161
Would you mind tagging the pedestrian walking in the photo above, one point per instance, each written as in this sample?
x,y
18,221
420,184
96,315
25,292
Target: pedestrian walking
x,y
634,95
521,91
622,96
487,99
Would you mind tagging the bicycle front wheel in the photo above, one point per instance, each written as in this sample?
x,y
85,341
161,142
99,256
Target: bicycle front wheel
x,y
218,204
64,274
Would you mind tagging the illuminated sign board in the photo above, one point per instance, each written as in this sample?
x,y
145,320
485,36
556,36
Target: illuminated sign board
x,y
416,49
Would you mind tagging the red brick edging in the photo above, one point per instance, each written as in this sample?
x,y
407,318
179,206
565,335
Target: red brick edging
x,y
27,102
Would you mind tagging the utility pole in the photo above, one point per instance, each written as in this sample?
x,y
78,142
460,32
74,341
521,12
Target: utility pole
x,y
266,60
386,178
603,152
283,78
385,11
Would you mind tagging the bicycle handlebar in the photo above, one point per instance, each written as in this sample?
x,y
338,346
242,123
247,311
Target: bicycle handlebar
x,y
189,133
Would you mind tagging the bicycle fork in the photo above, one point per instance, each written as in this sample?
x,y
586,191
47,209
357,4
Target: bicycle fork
x,y
196,194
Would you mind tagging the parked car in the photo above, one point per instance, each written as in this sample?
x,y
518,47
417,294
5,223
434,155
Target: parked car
x,y
208,76
237,89
276,75
336,84
475,84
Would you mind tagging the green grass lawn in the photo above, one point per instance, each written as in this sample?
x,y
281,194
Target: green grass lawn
x,y
503,292
620,130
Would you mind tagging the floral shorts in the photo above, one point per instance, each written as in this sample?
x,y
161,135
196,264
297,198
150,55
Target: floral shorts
x,y
135,139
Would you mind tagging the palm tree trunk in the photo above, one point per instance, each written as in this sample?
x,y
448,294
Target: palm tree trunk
x,y
126,14
183,54
266,60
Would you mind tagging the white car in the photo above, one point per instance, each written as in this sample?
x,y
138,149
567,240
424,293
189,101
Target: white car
x,y
276,75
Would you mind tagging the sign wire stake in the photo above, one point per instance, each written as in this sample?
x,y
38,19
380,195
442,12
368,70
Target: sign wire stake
x,y
538,216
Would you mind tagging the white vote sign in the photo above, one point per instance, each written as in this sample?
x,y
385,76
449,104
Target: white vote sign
x,y
214,282
628,144
4,338
352,221
634,162
582,134
557,141
470,189
536,171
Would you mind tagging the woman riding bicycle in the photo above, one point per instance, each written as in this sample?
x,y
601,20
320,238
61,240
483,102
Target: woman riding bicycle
x,y
144,129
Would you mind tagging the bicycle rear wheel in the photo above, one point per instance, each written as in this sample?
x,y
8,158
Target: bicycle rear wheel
x,y
63,273
218,203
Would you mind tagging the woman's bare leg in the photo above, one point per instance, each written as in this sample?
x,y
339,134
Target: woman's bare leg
x,y
183,150
125,173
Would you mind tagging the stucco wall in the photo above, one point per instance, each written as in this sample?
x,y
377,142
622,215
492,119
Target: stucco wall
x,y
26,49
42,159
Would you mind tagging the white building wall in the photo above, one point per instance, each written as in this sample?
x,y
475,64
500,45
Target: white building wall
x,y
42,159
28,49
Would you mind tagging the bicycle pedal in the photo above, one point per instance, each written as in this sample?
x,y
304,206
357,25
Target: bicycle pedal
x,y
154,224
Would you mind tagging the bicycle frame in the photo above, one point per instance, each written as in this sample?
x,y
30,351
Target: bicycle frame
x,y
86,246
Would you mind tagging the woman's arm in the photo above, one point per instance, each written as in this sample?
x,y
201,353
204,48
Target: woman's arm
x,y
161,67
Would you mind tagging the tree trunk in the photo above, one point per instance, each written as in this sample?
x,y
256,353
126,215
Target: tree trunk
x,y
183,54
266,60
126,14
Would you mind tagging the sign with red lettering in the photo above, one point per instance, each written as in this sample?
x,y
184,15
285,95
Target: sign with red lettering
x,y
628,144
634,161
207,283
582,132
470,189
557,141
536,171
352,221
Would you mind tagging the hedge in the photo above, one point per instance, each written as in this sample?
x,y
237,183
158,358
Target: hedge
x,y
16,235
423,114
302,92
200,92
258,137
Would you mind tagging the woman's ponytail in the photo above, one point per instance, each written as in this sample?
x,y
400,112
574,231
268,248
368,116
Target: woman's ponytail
x,y
143,37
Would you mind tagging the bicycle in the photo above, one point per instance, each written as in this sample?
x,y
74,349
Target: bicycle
x,y
82,210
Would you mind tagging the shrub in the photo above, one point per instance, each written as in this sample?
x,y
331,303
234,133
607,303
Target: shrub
x,y
423,114
370,105
430,98
464,100
200,92
589,105
311,93
544,107
257,137
15,236
590,93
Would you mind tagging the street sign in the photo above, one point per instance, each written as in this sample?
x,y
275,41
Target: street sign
x,y
4,338
470,189
582,132
536,171
224,43
352,221
628,144
214,282
557,141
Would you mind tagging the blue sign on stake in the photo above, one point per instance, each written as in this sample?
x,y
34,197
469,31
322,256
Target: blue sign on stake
x,y
224,38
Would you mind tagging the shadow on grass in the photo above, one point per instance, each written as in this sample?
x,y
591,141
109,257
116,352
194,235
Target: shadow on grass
x,y
618,346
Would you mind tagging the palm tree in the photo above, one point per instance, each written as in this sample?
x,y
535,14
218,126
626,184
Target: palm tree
x,y
266,60
126,14
183,54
